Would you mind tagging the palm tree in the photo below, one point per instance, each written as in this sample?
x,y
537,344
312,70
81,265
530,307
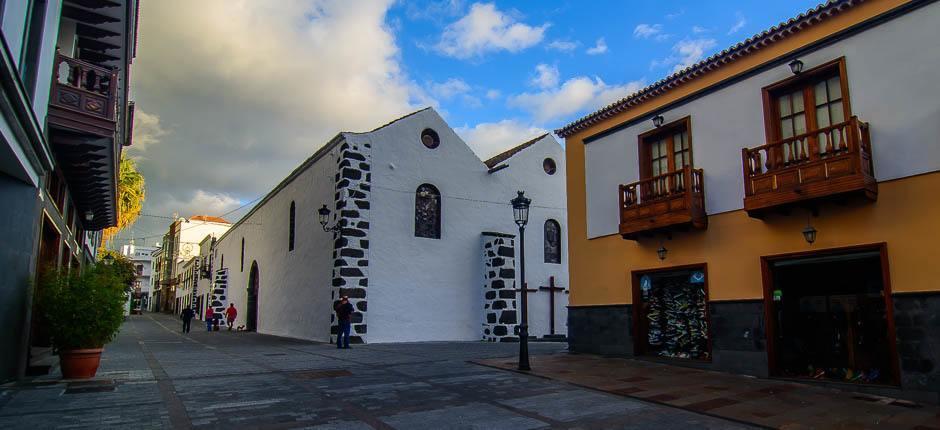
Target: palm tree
x,y
131,195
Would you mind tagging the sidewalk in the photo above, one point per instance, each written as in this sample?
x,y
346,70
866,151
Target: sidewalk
x,y
764,402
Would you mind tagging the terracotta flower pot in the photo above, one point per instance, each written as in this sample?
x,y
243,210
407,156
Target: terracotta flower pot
x,y
80,363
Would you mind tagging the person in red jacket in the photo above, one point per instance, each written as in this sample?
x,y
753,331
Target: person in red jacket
x,y
230,315
210,316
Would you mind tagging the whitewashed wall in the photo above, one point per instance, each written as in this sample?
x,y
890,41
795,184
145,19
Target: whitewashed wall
x,y
892,70
294,297
429,289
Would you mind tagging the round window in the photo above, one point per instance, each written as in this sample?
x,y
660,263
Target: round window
x,y
430,138
549,166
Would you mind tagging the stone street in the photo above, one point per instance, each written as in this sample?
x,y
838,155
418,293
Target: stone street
x,y
152,376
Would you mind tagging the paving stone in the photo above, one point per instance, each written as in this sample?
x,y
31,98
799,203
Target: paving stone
x,y
574,405
470,416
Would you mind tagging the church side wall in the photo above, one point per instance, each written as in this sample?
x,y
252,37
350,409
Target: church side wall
x,y
431,289
525,173
294,294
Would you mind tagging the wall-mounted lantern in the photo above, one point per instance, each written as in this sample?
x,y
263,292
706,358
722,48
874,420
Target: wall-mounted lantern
x,y
809,233
658,120
796,66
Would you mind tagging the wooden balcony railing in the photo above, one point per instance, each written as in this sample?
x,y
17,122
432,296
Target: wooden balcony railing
x,y
84,96
828,161
674,199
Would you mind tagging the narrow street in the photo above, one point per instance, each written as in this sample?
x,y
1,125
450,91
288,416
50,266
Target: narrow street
x,y
152,376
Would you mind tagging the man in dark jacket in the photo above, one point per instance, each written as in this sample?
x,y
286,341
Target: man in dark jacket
x,y
187,316
344,311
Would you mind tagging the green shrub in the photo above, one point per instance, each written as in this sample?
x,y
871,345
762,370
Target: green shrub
x,y
82,310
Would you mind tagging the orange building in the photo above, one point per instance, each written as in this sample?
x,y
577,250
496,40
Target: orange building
x,y
771,210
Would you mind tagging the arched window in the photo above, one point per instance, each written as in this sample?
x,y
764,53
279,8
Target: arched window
x,y
428,212
552,242
290,238
243,256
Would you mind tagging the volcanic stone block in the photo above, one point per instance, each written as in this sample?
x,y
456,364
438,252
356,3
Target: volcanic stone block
x,y
507,273
360,328
339,282
507,294
353,293
351,174
354,156
351,252
364,244
500,330
362,306
499,304
506,251
339,262
490,295
362,204
353,232
350,271
507,317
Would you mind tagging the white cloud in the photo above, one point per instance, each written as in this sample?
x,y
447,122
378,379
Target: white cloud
x,y
147,131
575,95
198,202
493,94
699,29
599,47
676,14
448,89
645,31
545,76
486,29
739,24
691,51
685,53
491,138
435,10
562,45
258,88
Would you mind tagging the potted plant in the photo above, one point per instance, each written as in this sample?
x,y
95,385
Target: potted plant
x,y
82,312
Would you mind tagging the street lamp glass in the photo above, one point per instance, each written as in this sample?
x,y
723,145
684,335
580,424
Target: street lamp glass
x,y
323,213
520,209
809,233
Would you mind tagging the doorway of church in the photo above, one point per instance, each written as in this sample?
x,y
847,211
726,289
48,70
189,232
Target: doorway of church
x,y
253,285
671,316
830,316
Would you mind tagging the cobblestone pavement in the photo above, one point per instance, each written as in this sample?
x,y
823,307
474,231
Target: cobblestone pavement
x,y
766,402
152,376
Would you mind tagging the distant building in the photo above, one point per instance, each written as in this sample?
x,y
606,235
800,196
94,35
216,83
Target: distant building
x,y
66,116
180,245
428,249
142,257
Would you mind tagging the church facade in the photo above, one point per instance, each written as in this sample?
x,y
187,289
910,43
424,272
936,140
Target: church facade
x,y
420,236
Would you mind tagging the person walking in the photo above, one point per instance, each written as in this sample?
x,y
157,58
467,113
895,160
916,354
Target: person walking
x,y
187,315
230,314
344,311
210,316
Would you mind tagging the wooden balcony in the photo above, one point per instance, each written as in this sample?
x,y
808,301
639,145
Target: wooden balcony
x,y
830,162
675,200
83,97
82,135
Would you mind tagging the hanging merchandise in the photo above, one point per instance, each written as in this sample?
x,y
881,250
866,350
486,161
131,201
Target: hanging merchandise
x,y
675,306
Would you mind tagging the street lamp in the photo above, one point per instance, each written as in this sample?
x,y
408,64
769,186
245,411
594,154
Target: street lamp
x,y
520,211
809,233
107,260
324,215
658,121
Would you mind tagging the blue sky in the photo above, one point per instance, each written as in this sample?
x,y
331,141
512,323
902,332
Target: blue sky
x,y
644,42
234,94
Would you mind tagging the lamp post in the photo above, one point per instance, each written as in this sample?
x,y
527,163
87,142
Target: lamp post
x,y
520,211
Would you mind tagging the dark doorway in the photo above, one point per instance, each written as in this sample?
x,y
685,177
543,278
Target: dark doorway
x,y
830,316
672,313
253,284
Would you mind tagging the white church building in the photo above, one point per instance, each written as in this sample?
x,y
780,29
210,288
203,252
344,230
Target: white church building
x,y
427,248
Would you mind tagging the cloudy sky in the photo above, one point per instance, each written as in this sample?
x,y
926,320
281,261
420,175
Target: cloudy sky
x,y
233,94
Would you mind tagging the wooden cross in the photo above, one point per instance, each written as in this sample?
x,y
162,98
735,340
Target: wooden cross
x,y
551,301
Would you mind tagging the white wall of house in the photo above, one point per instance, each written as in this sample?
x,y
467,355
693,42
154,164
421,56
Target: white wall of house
x,y
294,297
891,74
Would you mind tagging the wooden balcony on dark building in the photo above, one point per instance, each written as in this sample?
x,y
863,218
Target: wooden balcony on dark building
x,y
82,134
831,162
672,201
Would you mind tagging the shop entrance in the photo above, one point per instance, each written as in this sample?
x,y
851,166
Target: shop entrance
x,y
672,313
830,316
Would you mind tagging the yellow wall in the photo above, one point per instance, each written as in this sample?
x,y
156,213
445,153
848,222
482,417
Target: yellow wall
x,y
733,244
903,216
